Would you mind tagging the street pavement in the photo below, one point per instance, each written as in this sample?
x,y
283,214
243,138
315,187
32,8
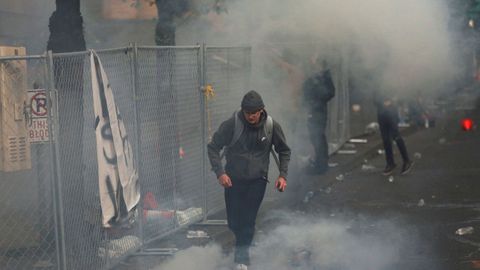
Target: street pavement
x,y
353,217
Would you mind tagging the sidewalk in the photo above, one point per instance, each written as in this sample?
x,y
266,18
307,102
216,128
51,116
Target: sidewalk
x,y
292,200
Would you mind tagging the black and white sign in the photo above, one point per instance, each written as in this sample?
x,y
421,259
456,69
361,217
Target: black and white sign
x,y
38,124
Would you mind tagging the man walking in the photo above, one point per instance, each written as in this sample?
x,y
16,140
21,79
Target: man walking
x,y
388,119
248,137
318,90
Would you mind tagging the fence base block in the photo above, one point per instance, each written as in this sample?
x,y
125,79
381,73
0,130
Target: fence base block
x,y
213,222
156,252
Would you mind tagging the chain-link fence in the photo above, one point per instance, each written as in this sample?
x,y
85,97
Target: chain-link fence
x,y
28,232
170,99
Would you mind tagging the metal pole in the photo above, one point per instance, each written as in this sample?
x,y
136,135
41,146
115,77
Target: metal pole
x,y
203,107
139,159
55,165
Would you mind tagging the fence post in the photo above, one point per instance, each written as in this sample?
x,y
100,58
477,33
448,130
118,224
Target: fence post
x,y
52,107
203,108
134,69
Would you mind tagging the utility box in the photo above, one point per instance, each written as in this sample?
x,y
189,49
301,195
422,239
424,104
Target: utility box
x,y
14,143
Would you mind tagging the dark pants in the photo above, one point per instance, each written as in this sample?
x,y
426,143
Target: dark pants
x,y
243,200
317,125
388,123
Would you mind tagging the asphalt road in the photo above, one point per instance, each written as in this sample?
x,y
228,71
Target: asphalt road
x,y
416,215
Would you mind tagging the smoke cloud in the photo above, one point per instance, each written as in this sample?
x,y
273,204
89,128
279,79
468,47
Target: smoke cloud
x,y
312,243
403,46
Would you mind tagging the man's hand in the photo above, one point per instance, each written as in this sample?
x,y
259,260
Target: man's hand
x,y
225,180
281,184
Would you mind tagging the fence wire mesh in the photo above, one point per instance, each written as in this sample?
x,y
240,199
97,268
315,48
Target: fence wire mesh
x,y
51,206
27,230
228,72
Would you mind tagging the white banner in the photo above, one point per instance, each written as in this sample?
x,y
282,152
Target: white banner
x,y
117,175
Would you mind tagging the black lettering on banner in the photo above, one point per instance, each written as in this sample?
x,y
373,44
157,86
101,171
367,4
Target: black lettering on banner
x,y
106,133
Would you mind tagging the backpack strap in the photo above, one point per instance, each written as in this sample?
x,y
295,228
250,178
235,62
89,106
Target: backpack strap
x,y
269,133
237,132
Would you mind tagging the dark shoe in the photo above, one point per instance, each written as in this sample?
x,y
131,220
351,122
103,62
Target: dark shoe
x,y
407,167
389,169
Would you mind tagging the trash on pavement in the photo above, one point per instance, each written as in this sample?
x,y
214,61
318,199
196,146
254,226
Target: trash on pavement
x,y
421,202
347,152
417,155
332,165
442,140
308,196
464,230
358,140
189,216
197,234
366,167
381,151
340,177
372,128
391,179
117,248
328,190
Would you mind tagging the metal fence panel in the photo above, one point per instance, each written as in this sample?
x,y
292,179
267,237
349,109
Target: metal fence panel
x,y
52,211
27,230
168,101
228,71
79,199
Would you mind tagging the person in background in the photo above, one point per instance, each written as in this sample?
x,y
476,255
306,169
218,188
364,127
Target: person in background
x,y
245,174
388,119
318,90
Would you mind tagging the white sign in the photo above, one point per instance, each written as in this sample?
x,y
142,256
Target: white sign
x,y
119,188
38,123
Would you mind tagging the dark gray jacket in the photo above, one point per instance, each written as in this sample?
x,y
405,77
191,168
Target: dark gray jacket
x,y
249,157
318,89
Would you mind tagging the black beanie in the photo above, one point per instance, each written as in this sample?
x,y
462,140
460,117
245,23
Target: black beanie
x,y
252,101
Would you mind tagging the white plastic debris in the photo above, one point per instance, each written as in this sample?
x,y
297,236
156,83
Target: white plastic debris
x,y
340,177
332,165
417,155
381,151
367,167
442,140
328,190
464,230
117,248
189,216
197,234
421,202
358,140
347,152
372,128
391,179
308,196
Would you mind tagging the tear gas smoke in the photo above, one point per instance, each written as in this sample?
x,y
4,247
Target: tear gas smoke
x,y
307,243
